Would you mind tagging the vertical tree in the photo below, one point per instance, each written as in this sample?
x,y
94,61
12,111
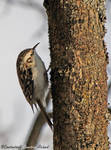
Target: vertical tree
x,y
78,73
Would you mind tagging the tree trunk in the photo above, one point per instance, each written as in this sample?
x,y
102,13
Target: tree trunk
x,y
78,73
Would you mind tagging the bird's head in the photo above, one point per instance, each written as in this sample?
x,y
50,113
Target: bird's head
x,y
26,57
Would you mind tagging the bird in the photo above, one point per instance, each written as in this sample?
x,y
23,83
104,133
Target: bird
x,y
33,78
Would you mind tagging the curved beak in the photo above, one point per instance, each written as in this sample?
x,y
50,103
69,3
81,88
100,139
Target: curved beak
x,y
35,46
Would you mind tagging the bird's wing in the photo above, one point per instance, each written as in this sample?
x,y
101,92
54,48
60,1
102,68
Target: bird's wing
x,y
27,84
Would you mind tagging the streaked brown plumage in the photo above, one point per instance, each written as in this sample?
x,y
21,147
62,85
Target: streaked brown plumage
x,y
32,77
25,77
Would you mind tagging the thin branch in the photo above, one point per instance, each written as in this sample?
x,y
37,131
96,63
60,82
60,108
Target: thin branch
x,y
36,129
35,132
46,117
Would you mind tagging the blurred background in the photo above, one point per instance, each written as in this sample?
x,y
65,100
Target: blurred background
x,y
23,23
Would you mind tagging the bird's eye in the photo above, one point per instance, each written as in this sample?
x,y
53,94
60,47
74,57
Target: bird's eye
x,y
29,60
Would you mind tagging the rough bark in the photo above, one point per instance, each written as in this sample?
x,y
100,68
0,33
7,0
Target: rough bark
x,y
78,73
